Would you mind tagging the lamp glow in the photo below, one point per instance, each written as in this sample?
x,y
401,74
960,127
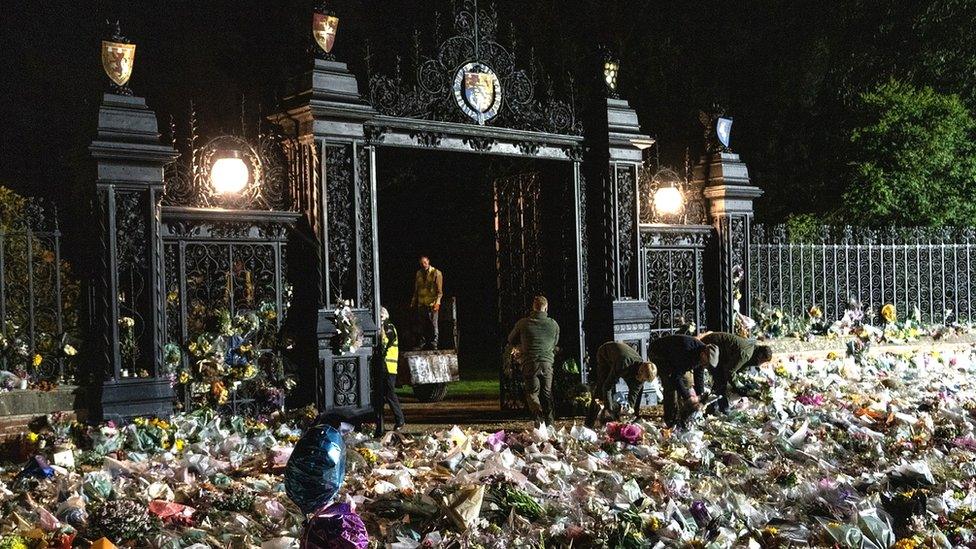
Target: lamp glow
x,y
611,68
668,200
229,173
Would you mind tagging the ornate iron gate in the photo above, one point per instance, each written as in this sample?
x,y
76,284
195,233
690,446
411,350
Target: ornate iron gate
x,y
518,259
38,304
211,262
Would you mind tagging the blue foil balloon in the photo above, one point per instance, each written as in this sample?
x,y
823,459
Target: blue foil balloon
x,y
316,468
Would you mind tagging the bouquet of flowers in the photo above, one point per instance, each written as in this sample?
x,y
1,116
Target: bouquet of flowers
x,y
239,352
350,332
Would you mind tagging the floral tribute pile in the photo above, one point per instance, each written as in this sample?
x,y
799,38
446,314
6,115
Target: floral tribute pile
x,y
866,452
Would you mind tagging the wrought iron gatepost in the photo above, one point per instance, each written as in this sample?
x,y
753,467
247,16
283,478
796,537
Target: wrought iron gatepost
x,y
129,379
334,185
611,169
730,196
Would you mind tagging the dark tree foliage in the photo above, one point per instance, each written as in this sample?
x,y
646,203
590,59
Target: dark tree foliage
x,y
914,159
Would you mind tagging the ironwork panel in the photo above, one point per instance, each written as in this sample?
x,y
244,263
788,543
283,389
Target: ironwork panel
x,y
33,297
673,276
927,268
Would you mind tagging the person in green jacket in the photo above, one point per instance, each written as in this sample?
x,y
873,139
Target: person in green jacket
x,y
734,354
535,337
616,360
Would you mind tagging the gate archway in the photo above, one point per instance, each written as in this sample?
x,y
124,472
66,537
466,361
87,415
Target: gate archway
x,y
445,109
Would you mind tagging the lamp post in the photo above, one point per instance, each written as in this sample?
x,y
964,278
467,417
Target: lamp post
x,y
229,173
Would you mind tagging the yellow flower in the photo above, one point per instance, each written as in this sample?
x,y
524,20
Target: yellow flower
x,y
780,370
889,314
179,444
219,392
184,377
815,312
831,355
907,543
38,359
32,437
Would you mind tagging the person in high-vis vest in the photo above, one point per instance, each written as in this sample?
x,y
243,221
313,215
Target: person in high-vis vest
x,y
428,289
391,355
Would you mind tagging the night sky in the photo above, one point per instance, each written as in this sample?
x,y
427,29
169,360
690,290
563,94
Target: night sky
x,y
785,70
676,59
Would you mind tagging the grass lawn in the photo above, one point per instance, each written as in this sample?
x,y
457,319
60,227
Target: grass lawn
x,y
473,384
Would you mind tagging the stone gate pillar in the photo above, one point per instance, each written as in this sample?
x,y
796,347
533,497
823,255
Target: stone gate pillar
x,y
334,184
610,171
730,196
130,296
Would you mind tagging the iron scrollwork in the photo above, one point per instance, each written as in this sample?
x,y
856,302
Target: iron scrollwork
x,y
345,372
341,229
432,96
625,226
366,237
674,284
694,211
188,180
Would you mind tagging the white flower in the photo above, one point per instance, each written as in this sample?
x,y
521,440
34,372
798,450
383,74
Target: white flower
x,y
69,350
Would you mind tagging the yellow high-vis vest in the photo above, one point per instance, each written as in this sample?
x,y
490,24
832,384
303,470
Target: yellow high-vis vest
x,y
392,350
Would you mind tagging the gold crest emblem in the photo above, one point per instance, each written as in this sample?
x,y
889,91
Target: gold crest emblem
x,y
479,90
324,27
117,60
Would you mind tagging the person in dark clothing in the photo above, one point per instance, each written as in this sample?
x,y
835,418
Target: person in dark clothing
x,y
675,356
734,353
535,337
616,360
391,356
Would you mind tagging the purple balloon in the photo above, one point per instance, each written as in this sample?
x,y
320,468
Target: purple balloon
x,y
335,527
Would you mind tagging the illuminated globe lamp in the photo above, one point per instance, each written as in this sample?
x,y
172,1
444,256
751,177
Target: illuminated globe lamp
x,y
668,201
229,173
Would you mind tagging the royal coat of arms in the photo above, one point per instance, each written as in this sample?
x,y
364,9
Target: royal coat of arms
x,y
478,92
117,60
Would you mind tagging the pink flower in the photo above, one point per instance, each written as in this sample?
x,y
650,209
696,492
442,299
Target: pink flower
x,y
967,442
631,433
811,400
496,441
